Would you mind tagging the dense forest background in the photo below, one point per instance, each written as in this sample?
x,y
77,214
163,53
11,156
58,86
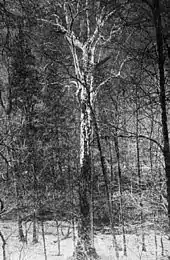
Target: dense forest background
x,y
85,117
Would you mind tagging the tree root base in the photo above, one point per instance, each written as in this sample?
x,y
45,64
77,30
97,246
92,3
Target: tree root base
x,y
81,254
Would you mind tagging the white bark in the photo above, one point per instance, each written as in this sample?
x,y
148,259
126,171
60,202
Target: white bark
x,y
83,49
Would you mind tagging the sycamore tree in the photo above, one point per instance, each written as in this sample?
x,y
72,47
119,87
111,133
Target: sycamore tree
x,y
87,28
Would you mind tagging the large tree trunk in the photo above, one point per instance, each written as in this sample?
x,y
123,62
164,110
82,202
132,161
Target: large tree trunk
x,y
83,48
161,67
84,248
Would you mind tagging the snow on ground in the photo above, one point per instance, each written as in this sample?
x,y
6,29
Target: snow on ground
x,y
16,250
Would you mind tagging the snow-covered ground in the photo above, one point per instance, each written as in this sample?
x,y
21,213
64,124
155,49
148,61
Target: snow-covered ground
x,y
16,250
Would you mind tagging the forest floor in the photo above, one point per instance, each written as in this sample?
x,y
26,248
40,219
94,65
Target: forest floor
x,y
16,250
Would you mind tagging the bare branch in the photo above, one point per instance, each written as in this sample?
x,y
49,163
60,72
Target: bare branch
x,y
133,135
62,28
113,75
4,158
144,137
109,15
99,24
87,19
112,32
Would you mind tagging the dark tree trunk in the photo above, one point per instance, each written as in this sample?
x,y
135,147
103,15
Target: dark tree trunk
x,y
19,204
139,177
1,235
161,67
3,245
20,229
34,232
44,242
106,180
120,192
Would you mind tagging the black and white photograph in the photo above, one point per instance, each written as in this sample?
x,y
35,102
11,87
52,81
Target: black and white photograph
x,y
84,130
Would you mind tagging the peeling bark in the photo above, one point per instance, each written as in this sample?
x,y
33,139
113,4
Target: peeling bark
x,y
83,43
84,247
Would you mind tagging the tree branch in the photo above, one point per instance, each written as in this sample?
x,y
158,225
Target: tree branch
x,y
144,137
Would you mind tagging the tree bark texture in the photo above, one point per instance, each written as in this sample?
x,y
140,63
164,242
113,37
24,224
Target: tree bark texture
x,y
84,248
83,70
